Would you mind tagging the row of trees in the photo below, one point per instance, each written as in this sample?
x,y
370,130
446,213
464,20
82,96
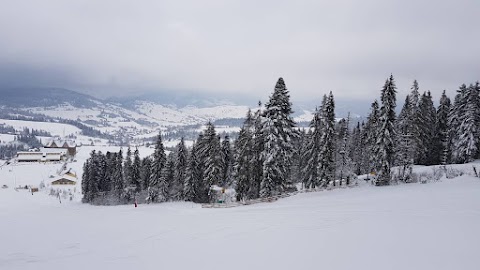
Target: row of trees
x,y
421,134
271,154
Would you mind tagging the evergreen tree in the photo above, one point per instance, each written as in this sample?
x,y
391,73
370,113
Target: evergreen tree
x,y
118,181
442,140
344,163
467,140
386,134
92,177
258,146
145,172
136,166
127,168
427,131
158,162
313,147
193,187
357,146
166,178
371,135
226,162
243,156
278,131
180,170
454,120
86,182
326,168
405,146
211,153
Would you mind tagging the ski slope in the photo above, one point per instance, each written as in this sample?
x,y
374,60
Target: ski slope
x,y
414,226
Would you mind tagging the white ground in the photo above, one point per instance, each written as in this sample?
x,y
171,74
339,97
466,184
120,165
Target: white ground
x,y
414,226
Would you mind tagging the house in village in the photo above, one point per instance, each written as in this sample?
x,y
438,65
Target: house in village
x,y
59,144
68,178
42,155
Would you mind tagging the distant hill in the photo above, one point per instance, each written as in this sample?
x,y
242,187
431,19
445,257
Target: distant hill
x,y
43,97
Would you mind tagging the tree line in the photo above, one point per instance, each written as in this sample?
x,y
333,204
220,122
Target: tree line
x,y
272,155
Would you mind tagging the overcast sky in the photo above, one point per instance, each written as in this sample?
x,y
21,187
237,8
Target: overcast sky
x,y
347,46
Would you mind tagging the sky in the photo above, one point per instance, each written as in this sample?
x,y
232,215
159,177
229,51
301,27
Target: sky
x,y
239,47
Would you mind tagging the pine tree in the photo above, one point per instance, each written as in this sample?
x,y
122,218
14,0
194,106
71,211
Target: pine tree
x,y
193,187
166,178
371,135
243,156
427,116
127,169
442,140
226,162
467,140
454,120
258,146
145,172
405,146
158,162
136,166
344,163
357,146
278,131
326,168
180,165
118,181
211,153
86,181
313,147
386,134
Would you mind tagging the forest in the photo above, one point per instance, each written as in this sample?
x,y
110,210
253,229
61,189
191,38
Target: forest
x,y
272,155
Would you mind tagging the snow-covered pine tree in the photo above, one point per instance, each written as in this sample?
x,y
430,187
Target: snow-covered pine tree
x,y
467,139
427,118
86,181
405,145
192,177
145,172
386,133
109,167
344,163
357,147
226,162
258,145
158,162
371,135
211,152
326,168
278,131
118,181
92,177
272,171
136,167
242,166
454,120
312,149
101,168
127,168
166,178
442,140
181,157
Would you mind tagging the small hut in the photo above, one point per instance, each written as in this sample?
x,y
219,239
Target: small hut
x,y
64,180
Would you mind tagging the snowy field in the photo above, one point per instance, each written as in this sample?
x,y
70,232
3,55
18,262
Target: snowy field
x,y
414,226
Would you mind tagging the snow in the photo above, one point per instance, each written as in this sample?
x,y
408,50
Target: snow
x,y
56,129
409,226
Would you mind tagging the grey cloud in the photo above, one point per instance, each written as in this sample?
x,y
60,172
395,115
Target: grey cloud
x,y
214,46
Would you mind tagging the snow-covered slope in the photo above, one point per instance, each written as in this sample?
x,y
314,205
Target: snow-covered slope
x,y
56,129
432,226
